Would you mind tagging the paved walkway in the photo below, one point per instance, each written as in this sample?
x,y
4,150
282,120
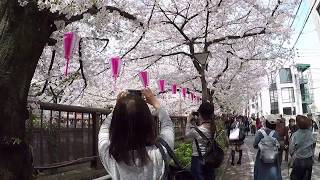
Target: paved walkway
x,y
245,171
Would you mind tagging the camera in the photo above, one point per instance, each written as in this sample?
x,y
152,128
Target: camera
x,y
195,118
135,92
195,113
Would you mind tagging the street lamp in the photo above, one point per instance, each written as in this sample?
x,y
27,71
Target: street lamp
x,y
202,58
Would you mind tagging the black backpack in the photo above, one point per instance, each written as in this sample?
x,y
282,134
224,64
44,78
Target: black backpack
x,y
214,154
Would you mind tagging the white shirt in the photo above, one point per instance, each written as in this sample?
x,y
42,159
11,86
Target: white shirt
x,y
121,171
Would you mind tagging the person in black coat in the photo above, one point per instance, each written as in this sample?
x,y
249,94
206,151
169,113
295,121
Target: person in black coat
x,y
236,145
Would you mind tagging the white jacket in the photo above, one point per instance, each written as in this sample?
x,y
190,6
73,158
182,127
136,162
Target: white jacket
x,y
120,171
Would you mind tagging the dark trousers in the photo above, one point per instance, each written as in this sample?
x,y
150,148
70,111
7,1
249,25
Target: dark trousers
x,y
302,169
199,172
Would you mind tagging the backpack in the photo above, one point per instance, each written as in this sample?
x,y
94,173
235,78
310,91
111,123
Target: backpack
x,y
214,154
269,147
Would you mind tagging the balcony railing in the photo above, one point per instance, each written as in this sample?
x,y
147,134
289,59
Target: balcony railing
x,y
303,80
307,99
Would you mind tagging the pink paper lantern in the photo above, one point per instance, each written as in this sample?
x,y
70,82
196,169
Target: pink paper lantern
x,y
70,40
144,78
184,92
161,85
115,63
174,88
192,96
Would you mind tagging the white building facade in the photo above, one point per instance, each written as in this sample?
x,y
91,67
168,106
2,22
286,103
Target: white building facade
x,y
295,89
289,92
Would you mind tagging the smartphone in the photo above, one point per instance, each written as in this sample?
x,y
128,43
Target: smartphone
x,y
135,92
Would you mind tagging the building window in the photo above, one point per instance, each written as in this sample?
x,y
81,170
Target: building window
x,y
287,95
273,77
272,81
289,111
274,102
285,75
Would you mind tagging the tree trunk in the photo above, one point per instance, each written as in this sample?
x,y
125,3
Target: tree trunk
x,y
206,95
24,32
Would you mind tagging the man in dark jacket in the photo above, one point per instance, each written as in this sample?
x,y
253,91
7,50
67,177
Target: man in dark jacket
x,y
282,131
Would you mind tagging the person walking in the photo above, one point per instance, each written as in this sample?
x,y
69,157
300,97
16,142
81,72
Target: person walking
x,y
236,143
282,131
127,138
258,123
292,127
263,169
246,124
207,126
301,149
253,127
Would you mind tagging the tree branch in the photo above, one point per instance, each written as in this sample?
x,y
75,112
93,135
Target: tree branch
x,y
142,35
94,10
81,63
175,25
216,79
237,37
206,45
48,74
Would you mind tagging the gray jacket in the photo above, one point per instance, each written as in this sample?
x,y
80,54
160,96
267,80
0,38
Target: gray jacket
x,y
302,144
193,134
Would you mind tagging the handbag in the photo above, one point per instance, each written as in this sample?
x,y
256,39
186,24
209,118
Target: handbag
x,y
172,171
234,134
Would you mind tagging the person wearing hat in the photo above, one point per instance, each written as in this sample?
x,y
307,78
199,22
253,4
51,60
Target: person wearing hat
x,y
301,149
266,171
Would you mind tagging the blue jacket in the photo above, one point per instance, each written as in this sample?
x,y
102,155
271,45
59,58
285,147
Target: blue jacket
x,y
263,171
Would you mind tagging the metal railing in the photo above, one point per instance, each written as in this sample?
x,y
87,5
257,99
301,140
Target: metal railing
x,y
63,135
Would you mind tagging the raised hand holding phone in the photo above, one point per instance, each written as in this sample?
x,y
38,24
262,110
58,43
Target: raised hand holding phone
x,y
151,98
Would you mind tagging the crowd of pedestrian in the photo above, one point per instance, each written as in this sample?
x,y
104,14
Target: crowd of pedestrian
x,y
129,147
273,139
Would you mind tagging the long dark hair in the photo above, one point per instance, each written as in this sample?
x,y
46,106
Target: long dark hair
x,y
206,110
131,130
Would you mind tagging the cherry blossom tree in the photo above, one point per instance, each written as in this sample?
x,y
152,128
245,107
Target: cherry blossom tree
x,y
243,37
26,27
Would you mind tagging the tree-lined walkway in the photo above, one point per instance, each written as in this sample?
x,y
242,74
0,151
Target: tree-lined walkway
x,y
245,171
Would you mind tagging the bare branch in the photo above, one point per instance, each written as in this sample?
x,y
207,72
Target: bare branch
x,y
175,25
216,79
81,64
94,10
142,35
49,71
237,36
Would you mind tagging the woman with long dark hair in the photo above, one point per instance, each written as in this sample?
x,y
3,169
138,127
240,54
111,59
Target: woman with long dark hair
x,y
127,138
208,128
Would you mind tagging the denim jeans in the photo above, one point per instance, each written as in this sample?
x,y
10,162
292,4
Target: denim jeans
x,y
302,169
199,172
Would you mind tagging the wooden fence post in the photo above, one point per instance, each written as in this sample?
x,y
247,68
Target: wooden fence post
x,y
95,121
